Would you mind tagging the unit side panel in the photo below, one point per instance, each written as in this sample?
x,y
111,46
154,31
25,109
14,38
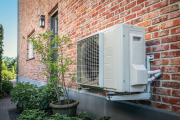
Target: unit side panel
x,y
110,59
124,80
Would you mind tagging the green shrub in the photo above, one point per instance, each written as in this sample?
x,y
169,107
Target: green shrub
x,y
22,94
7,75
30,96
45,94
36,114
3,66
7,86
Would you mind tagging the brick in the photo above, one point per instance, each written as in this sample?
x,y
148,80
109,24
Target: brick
x,y
110,15
176,93
130,16
102,1
124,3
159,5
151,15
153,28
162,91
170,54
175,45
105,22
113,3
176,109
142,12
105,13
171,69
130,5
140,1
127,23
137,7
170,24
165,77
175,76
114,8
156,97
137,20
169,9
150,2
148,36
119,0
162,106
166,84
173,1
175,30
101,10
94,6
159,34
156,55
171,100
155,68
176,85
110,24
99,7
155,83
92,11
124,13
161,62
171,39
144,24
148,49
160,48
119,10
159,19
102,28
175,14
119,21
175,61
115,18
95,14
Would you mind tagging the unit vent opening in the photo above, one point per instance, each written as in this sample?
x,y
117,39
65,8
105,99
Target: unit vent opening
x,y
88,60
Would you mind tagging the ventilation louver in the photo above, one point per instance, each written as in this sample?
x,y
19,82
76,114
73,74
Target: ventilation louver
x,y
88,60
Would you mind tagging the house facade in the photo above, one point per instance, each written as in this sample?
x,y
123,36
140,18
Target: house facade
x,y
80,18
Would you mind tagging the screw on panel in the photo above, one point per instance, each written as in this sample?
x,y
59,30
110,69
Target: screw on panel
x,y
123,35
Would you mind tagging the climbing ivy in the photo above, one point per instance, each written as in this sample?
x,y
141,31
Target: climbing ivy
x,y
1,52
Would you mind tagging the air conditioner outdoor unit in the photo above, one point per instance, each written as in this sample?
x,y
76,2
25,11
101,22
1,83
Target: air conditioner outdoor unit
x,y
113,59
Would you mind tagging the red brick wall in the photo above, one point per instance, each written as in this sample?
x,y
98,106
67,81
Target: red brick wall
x,y
80,18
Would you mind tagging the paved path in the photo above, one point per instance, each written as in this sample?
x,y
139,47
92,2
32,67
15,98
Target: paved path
x,y
5,106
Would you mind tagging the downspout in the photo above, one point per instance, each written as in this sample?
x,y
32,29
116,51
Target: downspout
x,y
17,39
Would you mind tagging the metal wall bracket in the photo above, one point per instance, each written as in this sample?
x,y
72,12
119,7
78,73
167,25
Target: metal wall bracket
x,y
141,96
149,58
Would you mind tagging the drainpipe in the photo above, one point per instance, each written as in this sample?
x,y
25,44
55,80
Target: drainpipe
x,y
17,39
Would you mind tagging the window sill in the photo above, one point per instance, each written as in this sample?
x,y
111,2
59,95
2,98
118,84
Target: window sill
x,y
30,58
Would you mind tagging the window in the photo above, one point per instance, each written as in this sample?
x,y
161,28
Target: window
x,y
54,27
30,49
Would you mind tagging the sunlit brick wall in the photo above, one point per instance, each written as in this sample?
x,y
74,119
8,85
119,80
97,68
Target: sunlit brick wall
x,y
80,18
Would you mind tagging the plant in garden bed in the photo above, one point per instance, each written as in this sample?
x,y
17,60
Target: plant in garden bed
x,y
30,96
36,114
51,48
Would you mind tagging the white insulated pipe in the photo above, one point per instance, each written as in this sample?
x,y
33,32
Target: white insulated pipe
x,y
154,72
157,75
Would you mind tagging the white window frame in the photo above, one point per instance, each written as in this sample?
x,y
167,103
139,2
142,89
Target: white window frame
x,y
30,50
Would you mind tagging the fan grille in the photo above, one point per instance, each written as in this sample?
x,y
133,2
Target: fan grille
x,y
88,61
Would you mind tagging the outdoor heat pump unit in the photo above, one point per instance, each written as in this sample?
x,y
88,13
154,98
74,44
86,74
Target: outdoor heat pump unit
x,y
113,59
